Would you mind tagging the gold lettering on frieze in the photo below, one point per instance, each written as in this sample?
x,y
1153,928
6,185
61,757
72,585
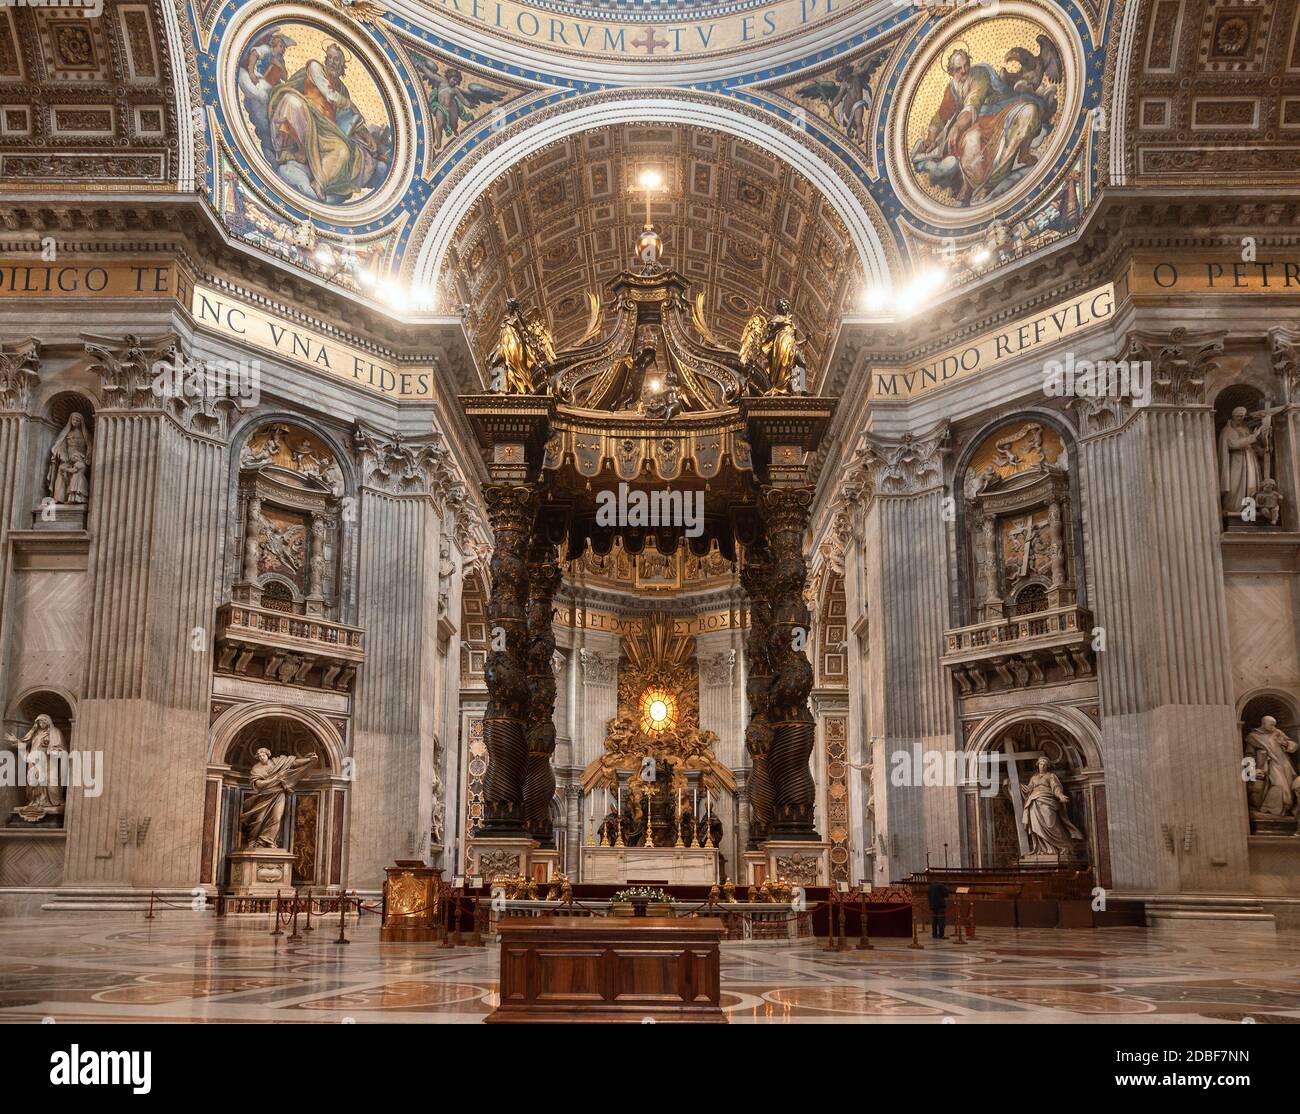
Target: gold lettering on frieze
x,y
997,347
225,315
1213,275
27,278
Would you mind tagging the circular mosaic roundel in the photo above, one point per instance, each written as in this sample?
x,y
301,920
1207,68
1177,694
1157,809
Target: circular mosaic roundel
x,y
990,101
311,111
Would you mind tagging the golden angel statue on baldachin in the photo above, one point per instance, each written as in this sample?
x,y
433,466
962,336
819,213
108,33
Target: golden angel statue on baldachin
x,y
524,352
771,351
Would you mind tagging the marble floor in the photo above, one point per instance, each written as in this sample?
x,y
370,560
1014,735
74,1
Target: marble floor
x,y
99,968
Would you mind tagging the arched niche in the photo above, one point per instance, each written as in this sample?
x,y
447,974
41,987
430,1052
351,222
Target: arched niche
x,y
316,817
65,462
1269,768
289,525
1245,426
1001,760
1019,538
19,719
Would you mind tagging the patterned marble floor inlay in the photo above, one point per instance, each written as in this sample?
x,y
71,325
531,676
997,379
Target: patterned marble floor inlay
x,y
120,969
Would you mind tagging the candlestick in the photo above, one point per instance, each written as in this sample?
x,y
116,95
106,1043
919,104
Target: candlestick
x,y
619,841
591,833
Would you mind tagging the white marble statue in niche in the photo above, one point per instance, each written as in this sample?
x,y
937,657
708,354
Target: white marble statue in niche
x,y
1271,784
272,780
46,762
1046,815
1246,484
67,476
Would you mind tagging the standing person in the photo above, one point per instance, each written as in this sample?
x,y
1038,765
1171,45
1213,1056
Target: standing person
x,y
938,907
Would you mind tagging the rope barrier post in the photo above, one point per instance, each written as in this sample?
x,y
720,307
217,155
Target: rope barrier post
x,y
970,917
844,942
480,918
343,912
149,915
957,924
295,936
864,938
916,943
456,941
275,915
445,920
309,928
832,944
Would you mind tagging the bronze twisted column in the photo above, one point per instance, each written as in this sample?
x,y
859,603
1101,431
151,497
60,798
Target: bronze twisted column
x,y
539,776
785,515
754,576
512,509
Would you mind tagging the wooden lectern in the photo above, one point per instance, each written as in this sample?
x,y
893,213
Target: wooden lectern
x,y
630,969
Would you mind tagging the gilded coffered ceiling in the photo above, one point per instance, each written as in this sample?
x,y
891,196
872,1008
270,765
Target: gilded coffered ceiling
x,y
738,222
86,99
1215,93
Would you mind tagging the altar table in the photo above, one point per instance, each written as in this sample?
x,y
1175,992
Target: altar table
x,y
629,969
665,866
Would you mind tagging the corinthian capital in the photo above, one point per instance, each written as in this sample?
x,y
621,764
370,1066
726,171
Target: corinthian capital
x,y
906,465
401,465
20,365
1284,345
599,669
129,367
1180,363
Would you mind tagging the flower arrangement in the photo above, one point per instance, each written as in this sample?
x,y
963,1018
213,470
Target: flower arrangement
x,y
641,893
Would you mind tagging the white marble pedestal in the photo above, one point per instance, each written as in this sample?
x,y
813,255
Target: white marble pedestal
x,y
261,872
667,866
802,862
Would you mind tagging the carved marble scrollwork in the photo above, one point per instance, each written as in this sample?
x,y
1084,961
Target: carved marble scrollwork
x,y
20,365
406,466
597,668
512,509
1284,350
156,373
908,465
718,669
785,515
1180,363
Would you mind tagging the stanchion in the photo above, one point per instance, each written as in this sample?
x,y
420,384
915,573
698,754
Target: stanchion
x,y
343,912
476,933
864,938
295,936
456,942
970,918
916,943
832,941
961,939
309,928
149,915
275,916
447,913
